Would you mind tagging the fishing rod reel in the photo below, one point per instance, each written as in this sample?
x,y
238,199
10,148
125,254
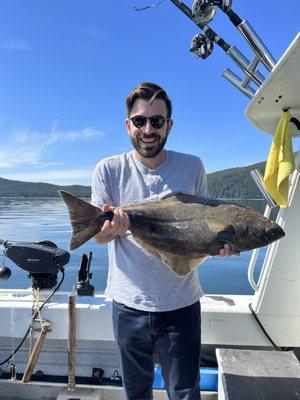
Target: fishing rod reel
x,y
201,46
42,261
201,13
205,10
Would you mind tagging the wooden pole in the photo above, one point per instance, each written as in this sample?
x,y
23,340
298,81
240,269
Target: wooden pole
x,y
36,352
71,342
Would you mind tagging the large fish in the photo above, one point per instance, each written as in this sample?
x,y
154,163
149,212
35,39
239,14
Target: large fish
x,y
181,230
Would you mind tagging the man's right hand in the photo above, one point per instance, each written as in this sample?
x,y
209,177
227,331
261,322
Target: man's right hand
x,y
118,226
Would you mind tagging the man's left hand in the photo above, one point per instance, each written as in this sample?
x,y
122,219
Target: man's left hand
x,y
226,251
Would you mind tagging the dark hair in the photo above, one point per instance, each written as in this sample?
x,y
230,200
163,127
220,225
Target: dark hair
x,y
148,91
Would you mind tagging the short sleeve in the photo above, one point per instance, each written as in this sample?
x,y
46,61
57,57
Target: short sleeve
x,y
101,187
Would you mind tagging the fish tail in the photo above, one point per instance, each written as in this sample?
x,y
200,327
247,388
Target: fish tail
x,y
86,219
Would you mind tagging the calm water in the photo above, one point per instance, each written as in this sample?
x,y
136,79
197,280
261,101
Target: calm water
x,y
35,220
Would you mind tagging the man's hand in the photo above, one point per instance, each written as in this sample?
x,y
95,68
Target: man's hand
x,y
110,229
119,224
225,251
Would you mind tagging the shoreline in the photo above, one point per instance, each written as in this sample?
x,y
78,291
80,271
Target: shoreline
x,y
58,197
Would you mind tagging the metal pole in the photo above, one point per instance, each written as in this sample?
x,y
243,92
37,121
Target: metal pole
x,y
238,83
258,179
257,45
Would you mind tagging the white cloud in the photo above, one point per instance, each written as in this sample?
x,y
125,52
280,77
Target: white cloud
x,y
14,44
23,147
11,157
57,177
72,135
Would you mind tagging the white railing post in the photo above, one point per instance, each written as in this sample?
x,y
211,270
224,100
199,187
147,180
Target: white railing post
x,y
254,256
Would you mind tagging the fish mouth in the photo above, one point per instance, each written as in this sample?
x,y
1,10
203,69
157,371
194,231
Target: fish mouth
x,y
274,233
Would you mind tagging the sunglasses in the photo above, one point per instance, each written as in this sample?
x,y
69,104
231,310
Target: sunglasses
x,y
156,121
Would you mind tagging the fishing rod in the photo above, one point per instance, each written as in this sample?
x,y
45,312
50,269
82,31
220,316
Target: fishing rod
x,y
203,12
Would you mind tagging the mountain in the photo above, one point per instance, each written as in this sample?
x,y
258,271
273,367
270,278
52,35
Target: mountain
x,y
235,183
229,183
9,188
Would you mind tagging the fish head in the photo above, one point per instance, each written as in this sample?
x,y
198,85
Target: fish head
x,y
240,227
259,231
272,231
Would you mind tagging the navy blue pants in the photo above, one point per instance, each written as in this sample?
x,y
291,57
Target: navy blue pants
x,y
172,336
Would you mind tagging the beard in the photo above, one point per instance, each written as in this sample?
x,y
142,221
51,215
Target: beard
x,y
148,150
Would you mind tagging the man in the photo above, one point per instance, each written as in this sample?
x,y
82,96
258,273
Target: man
x,y
155,313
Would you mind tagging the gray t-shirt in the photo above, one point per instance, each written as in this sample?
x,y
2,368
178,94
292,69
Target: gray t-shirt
x,y
135,277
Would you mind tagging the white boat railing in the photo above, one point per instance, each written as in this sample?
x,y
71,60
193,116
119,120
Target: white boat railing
x,y
254,256
293,184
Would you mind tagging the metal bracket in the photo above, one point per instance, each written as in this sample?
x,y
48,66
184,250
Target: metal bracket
x,y
294,120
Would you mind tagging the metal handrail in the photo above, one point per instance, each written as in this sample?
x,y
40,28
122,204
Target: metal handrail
x,y
254,256
258,179
270,204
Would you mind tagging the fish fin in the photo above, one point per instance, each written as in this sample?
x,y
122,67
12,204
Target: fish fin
x,y
86,219
186,198
179,197
218,224
180,265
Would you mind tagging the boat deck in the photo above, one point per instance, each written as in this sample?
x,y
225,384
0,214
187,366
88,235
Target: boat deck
x,y
50,391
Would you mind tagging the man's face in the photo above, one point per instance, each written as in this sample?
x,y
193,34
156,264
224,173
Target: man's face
x,y
147,140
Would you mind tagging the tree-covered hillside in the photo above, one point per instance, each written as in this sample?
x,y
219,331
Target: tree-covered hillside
x,y
229,183
235,183
9,188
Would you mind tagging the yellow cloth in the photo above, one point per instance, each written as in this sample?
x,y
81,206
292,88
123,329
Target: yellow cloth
x,y
280,163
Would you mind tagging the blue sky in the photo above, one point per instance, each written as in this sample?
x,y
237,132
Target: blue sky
x,y
67,67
